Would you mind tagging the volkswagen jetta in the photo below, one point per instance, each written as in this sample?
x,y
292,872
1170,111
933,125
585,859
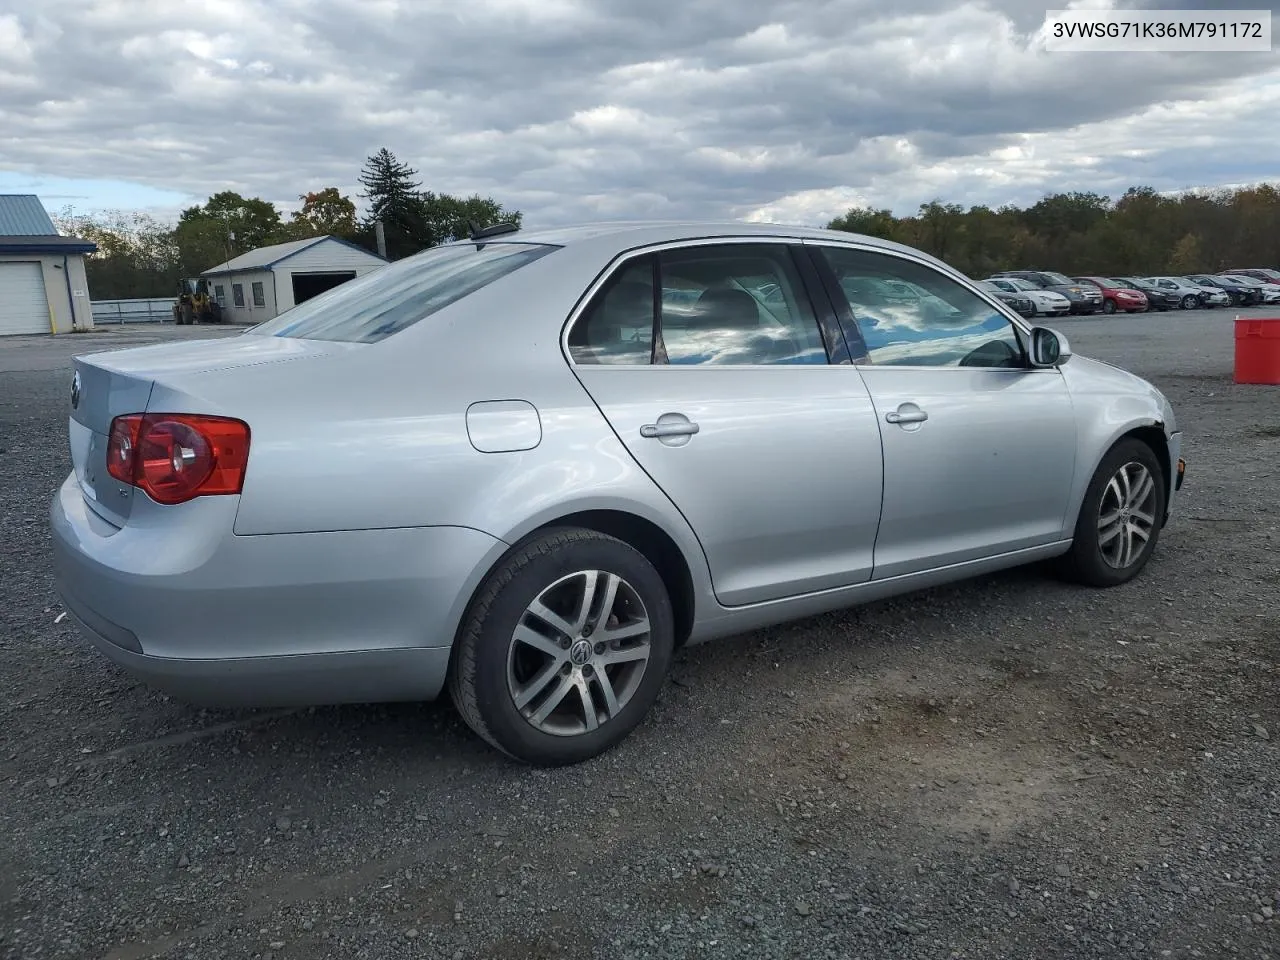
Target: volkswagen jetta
x,y
528,466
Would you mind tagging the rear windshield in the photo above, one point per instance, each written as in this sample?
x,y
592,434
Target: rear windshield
x,y
376,305
1058,279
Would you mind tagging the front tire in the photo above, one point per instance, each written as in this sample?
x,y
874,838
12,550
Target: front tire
x,y
1120,518
564,649
1189,302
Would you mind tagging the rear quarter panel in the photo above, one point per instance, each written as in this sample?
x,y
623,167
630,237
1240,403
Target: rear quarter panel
x,y
376,436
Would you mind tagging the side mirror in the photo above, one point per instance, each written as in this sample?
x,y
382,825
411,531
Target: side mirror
x,y
1048,348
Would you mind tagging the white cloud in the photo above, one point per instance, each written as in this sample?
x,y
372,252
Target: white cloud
x,y
569,109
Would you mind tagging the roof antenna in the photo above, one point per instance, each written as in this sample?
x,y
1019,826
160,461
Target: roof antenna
x,y
481,233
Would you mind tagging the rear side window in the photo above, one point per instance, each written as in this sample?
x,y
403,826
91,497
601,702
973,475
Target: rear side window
x,y
741,304
378,304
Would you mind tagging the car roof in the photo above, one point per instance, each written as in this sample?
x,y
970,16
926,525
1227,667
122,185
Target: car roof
x,y
624,235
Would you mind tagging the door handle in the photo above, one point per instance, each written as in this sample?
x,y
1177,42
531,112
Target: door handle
x,y
907,413
674,428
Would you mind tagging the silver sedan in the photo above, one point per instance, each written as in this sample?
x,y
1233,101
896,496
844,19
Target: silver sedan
x,y
527,467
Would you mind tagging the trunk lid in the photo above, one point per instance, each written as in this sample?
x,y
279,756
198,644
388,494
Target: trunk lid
x,y
119,382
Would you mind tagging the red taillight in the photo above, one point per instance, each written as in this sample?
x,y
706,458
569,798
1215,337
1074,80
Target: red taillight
x,y
175,457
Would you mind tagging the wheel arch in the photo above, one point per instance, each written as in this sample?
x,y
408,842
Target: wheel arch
x,y
658,547
685,577
1154,436
1149,430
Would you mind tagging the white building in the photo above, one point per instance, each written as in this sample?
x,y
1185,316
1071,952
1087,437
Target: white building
x,y
42,282
265,282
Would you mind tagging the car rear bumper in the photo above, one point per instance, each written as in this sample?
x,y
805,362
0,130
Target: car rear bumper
x,y
281,620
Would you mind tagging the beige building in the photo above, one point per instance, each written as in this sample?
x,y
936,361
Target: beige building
x,y
265,282
43,288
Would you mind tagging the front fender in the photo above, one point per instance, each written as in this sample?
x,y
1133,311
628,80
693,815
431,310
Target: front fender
x,y
1111,404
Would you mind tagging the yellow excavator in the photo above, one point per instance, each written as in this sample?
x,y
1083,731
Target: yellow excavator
x,y
195,303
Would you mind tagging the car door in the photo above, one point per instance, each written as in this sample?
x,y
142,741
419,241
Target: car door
x,y
979,448
738,399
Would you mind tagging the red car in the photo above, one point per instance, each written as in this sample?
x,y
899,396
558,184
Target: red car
x,y
1116,298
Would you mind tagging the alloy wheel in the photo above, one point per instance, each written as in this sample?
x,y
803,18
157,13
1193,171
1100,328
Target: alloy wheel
x,y
1126,516
579,653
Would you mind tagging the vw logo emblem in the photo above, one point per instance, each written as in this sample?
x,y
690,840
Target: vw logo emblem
x,y
75,391
580,653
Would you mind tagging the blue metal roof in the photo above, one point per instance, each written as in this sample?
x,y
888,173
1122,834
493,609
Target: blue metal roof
x,y
30,244
23,215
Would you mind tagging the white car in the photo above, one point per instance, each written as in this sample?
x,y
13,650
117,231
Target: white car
x,y
1046,301
1270,291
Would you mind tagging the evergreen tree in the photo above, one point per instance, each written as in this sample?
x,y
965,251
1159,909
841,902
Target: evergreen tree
x,y
393,198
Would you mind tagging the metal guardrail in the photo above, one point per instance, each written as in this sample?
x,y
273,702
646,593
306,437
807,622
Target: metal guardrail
x,y
152,310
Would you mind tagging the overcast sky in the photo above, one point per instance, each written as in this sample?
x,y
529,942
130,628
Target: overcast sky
x,y
606,109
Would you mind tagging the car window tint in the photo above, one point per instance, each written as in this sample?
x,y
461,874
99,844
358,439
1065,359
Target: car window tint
x,y
389,299
617,327
945,325
736,304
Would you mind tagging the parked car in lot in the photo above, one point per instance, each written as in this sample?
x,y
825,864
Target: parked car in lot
x,y
1264,292
555,457
1190,295
1212,296
1265,274
1238,294
1047,302
1020,302
1083,299
1157,297
1116,297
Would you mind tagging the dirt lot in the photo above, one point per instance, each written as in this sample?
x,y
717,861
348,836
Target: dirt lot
x,y
1007,768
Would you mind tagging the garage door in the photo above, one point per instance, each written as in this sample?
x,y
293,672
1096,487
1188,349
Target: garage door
x,y
23,305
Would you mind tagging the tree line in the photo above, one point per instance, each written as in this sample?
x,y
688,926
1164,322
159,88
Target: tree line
x,y
1142,233
140,256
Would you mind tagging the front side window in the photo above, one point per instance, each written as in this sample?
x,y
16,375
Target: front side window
x,y
259,295
237,294
389,299
736,303
947,326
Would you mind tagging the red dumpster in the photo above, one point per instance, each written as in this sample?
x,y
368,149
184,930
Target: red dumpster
x,y
1258,350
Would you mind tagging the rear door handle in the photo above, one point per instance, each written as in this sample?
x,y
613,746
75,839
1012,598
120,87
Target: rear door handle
x,y
907,413
670,428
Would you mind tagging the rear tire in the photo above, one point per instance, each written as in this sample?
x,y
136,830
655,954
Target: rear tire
x,y
529,637
1120,519
1109,306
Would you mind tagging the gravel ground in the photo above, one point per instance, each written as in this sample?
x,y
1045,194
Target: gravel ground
x,y
1010,767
